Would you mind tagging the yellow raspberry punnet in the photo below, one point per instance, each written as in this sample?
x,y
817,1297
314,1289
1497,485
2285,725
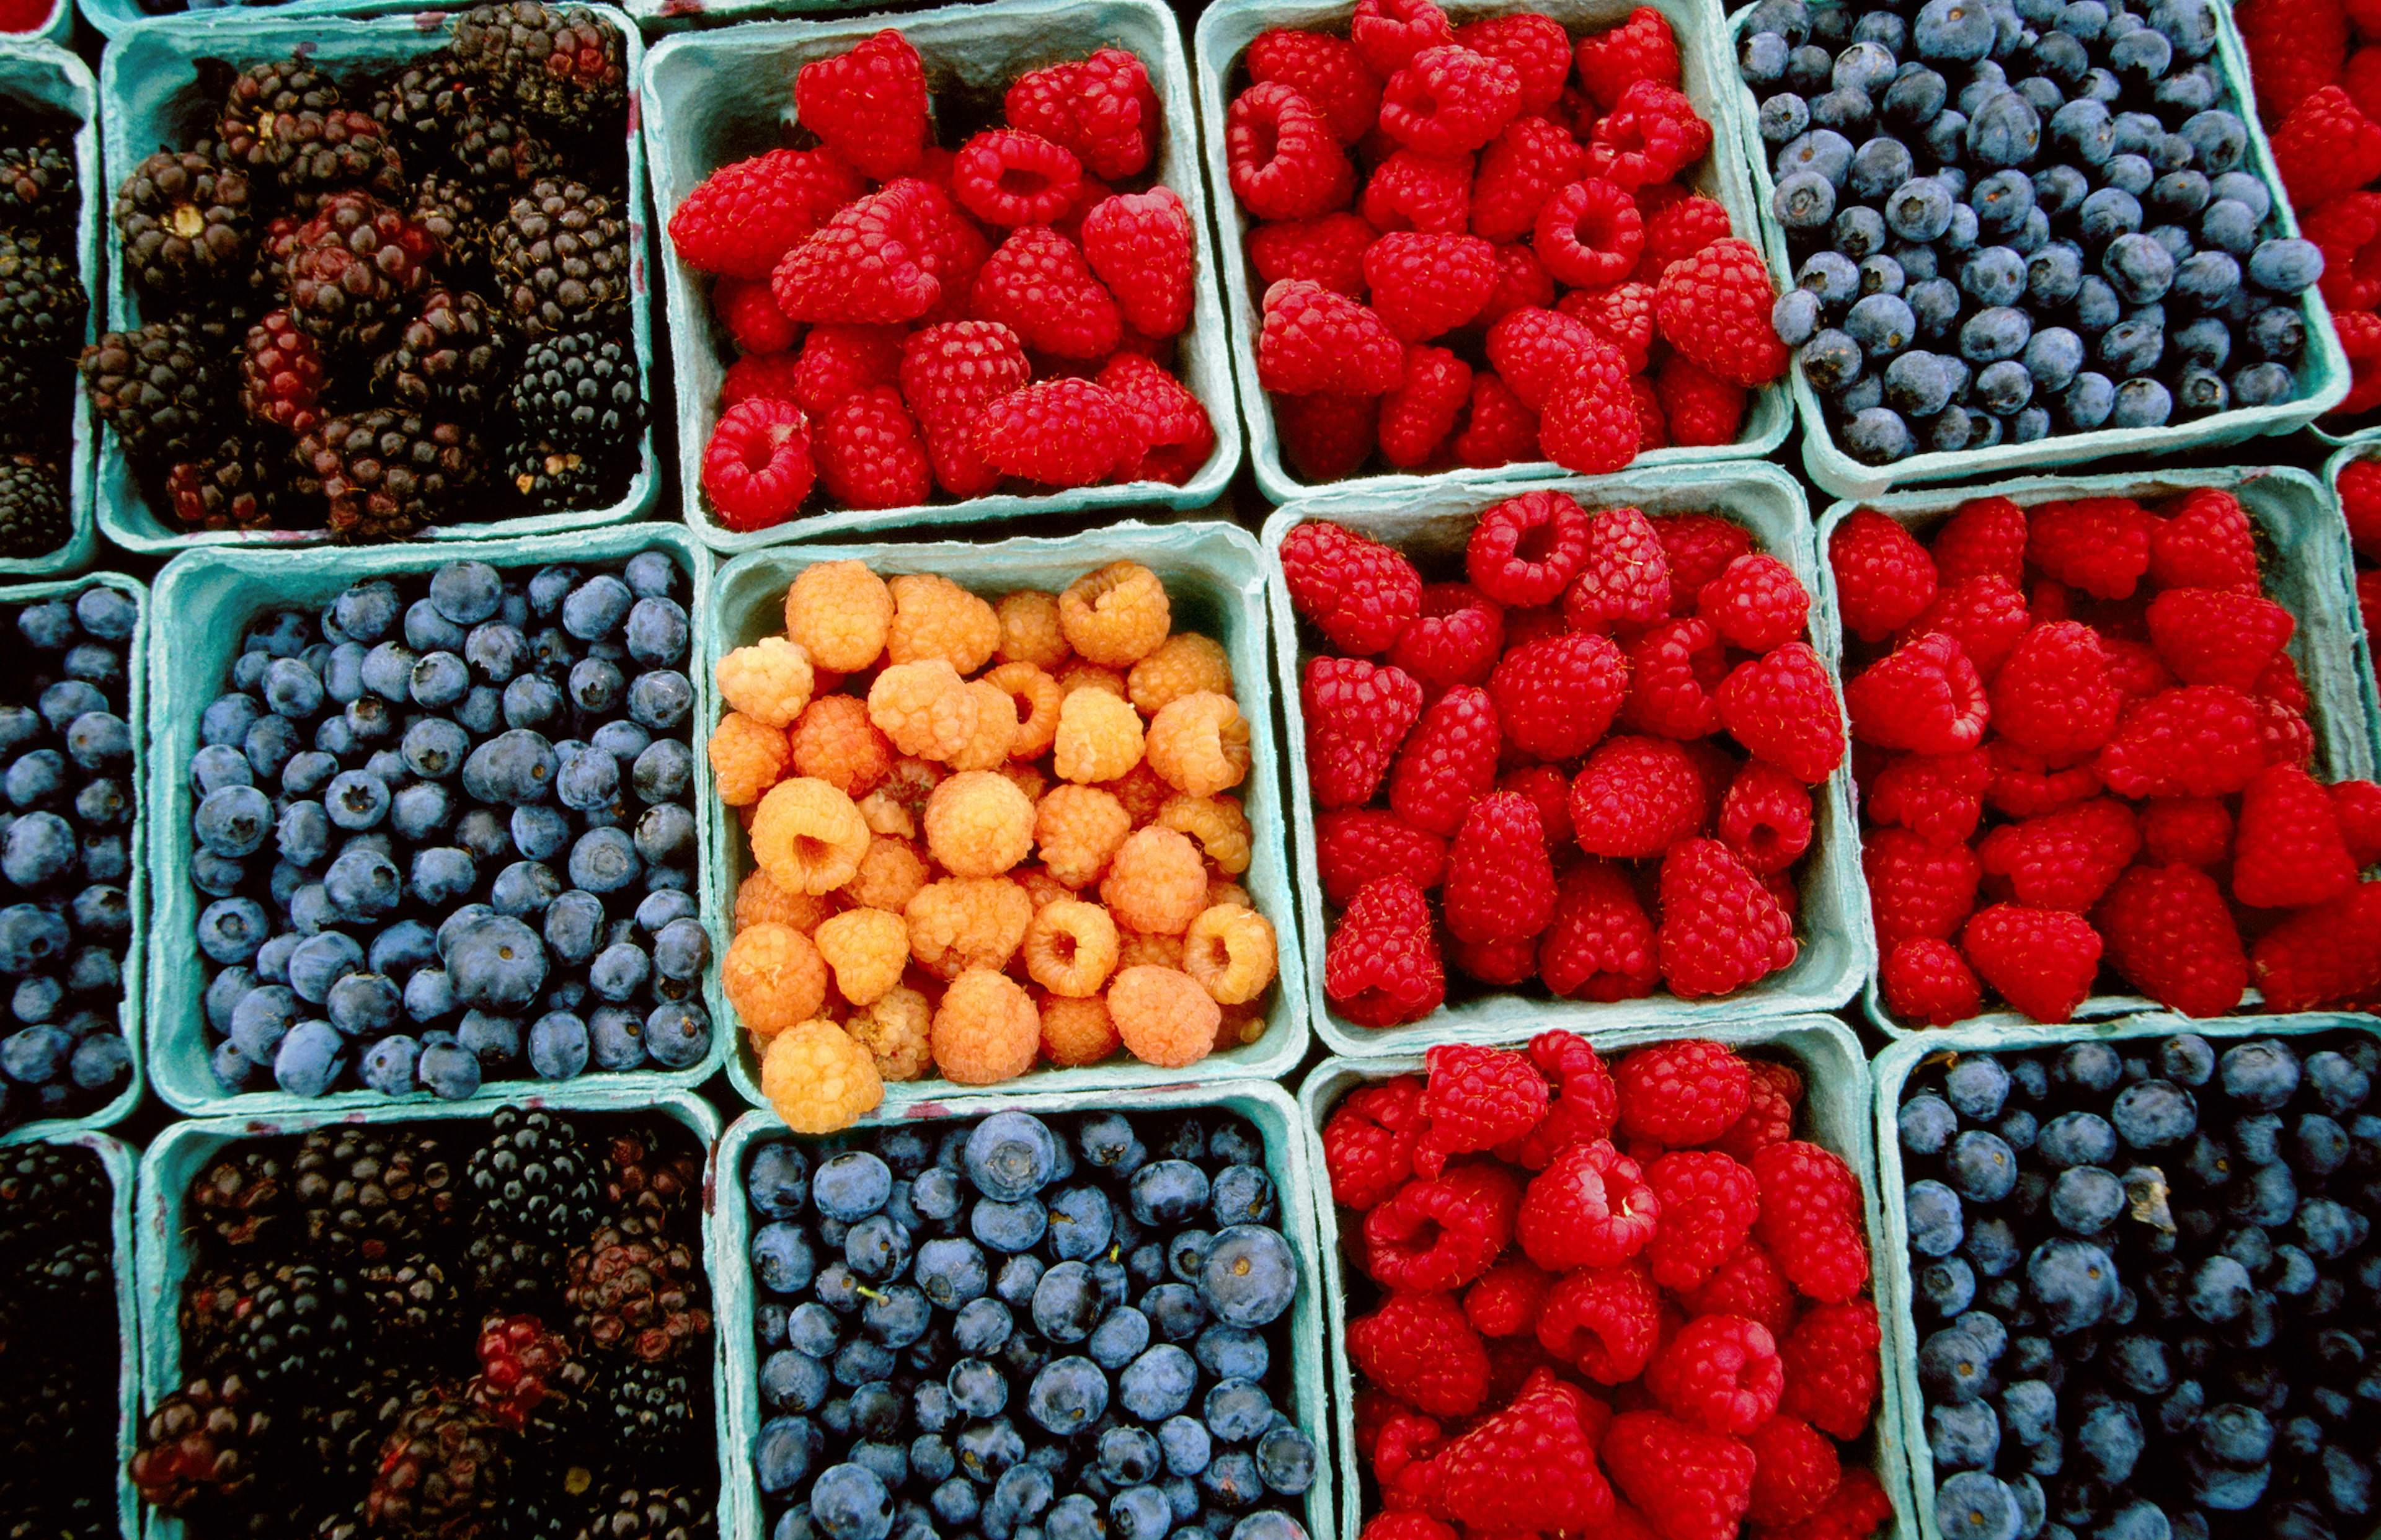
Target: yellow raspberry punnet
x,y
808,835
769,681
818,1079
839,612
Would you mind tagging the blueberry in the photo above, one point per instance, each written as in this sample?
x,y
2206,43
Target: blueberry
x,y
1934,1219
466,593
660,699
1994,332
2109,1438
1981,1167
2152,1113
387,1066
1963,1436
1973,1505
2077,1139
2086,1199
677,1034
1882,325
1804,201
784,1449
1927,1122
851,1186
310,1060
849,1502
2262,1074
2003,131
1994,276
2072,1281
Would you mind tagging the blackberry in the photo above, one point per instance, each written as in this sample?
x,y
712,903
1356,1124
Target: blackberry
x,y
49,1190
342,1425
268,276
186,223
533,1177
550,477
496,151
237,482
242,1199
416,107
451,209
282,374
645,1187
649,1406
356,269
293,1327
41,299
512,1272
370,1198
412,1302
36,394
452,357
567,67
261,106
160,388
72,1277
345,148
196,1455
579,390
651,1513
58,1446
37,186
385,474
35,519
441,1471
561,259
631,1295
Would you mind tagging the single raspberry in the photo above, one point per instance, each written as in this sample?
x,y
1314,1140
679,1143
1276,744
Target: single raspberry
x,y
1285,161
2289,851
1548,791
2331,951
1678,227
2357,806
1537,352
1329,251
1650,136
2053,696
1590,424
1368,1142
2325,147
1831,1367
1507,1298
1361,594
1713,308
1689,1484
1719,1374
1673,670
1709,1202
2195,740
1354,846
2205,542
1606,1322
1389,34
1810,1219
1497,429
1925,697
864,264
1419,417
1598,945
1635,797
1103,108
1987,615
1411,191
1927,981
757,466
1447,100
1556,696
1517,172
1623,316
1316,341
1525,550
1756,602
1423,284
1795,1470
1328,71
1477,1099
1537,48
1748,1284
1447,762
1855,1511
1325,438
1884,577
2064,860
808,835
1500,883
747,758
2208,636
1442,1232
1721,928
1589,235
985,1030
840,361
1916,886
1117,614
869,454
1198,744
1038,286
1155,882
2099,544
1683,1093
1058,433
1531,1467
739,220
1163,1015
1590,1208
1639,49
868,103
978,824
1986,538
2170,933
771,377
2347,228
1773,1093
840,613
1169,421
1139,245
1420,1349
1009,176
1766,818
1456,640
1380,964
818,1079
2042,960
1782,707
750,314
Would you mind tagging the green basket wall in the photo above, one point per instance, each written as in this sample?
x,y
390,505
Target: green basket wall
x,y
1835,1114
149,98
113,18
1290,1160
716,96
1434,523
57,27
207,599
1904,1407
1216,581
2322,373
2306,568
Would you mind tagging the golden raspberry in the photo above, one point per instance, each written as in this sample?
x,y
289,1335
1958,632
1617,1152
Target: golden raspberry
x,y
1115,616
769,681
996,729
867,948
889,876
1099,736
808,835
1200,743
773,979
978,824
1029,629
759,901
1136,949
962,922
1033,706
894,1031
1222,892
1228,950
1156,883
839,611
1080,675
1070,948
833,740
986,1029
818,1079
1184,663
1079,828
1163,1016
1141,791
1218,824
886,815
747,756
1039,884
935,617
924,707
1032,782
1076,1033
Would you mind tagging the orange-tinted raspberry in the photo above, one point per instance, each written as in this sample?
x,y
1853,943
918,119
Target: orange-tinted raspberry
x,y
773,979
1079,828
1080,674
1029,629
1222,892
833,740
978,824
1163,1016
1139,948
1026,778
935,617
888,815
747,756
1200,743
1184,663
1218,824
962,922
1070,948
1099,736
769,681
839,611
1033,698
1143,791
1115,616
808,835
889,876
818,1079
996,729
1156,883
1039,884
924,707
894,1031
1231,950
1076,1033
986,1029
759,901
867,948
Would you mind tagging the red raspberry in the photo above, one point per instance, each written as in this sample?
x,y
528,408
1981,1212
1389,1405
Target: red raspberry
x,y
869,454
1884,577
1624,578
1038,284
2099,544
1401,1457
2064,860
1500,883
1389,34
2357,805
1598,945
1531,1467
1518,171
1721,929
2325,147
840,362
949,374
1442,1231
1719,1374
1556,696
1522,282
1584,1103
2348,227
1606,1322
1687,1092
2331,951
1326,70
1810,1219
2207,636
1448,101
1794,1471
1855,1511
2284,735
1987,615
1699,408
1456,640
1709,1202
862,266
1589,233
1358,593
1831,1367
2054,695
1755,603
1411,191
2168,933
1766,818
1169,422
1623,316
2023,785
1916,886
1925,696
2134,668
1477,1099
1380,963
1774,1091
2042,960
747,215
1506,1300
1506,963
1536,46
1986,539
1424,285
1420,1349
868,103
1677,229
1697,549
1673,670
2360,501
1927,981
1314,340
1635,797
1782,707
1653,432
1548,791
1590,1208
1590,424
2196,741
2193,831
2288,852
757,466
1537,352
1497,429
1009,177
1328,250
2362,77
1448,762
1354,846
1139,245
2205,542
1639,49
1357,714
1650,135
749,312
1368,1142
1524,550
1059,433
1103,108
1689,1484
1748,1284
2359,337
1284,162
766,375
1325,438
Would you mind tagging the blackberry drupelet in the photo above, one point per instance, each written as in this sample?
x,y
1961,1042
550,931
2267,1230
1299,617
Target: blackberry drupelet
x,y
41,300
356,270
567,66
561,259
534,1177
385,474
34,514
579,390
186,223
49,1190
453,358
261,106
364,1196
651,1513
162,388
649,1406
37,187
239,481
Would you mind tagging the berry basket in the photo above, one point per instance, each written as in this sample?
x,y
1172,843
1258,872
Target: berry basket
x,y
161,1243
1835,951
1835,1094
38,74
151,99
2322,373
1227,29
213,596
2310,574
1289,1161
1214,577
1902,1415
978,50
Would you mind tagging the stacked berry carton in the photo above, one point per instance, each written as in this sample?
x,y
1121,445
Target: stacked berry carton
x,y
2306,570
39,75
1835,949
1901,1415
1292,1162
115,17
212,597
2322,376
1214,579
1836,1098
150,97
1707,76
708,98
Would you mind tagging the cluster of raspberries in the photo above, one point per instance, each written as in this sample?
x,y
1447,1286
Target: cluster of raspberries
x,y
899,754
1421,192
1473,759
1682,1315
2083,743
996,312
2317,67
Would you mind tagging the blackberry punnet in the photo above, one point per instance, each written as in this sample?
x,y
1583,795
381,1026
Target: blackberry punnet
x,y
59,1352
43,308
